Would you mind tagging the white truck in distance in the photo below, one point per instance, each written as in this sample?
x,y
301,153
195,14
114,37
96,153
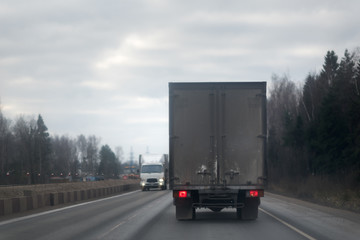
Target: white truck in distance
x,y
153,171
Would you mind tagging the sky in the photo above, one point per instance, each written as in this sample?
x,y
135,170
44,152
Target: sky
x,y
102,67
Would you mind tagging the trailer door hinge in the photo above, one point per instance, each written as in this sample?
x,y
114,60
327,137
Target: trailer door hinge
x,y
232,173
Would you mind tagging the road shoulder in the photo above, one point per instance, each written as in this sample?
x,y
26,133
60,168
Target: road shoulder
x,y
346,214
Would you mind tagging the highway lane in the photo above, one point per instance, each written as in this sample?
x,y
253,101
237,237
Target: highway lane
x,y
151,215
90,220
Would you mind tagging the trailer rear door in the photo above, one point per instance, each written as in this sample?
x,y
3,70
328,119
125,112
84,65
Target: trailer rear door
x,y
216,133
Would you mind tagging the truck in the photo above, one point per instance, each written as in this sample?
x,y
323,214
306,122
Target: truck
x,y
217,147
153,171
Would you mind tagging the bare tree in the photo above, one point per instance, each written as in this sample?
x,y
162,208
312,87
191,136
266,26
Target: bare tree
x,y
283,100
64,157
24,133
119,152
88,149
93,153
81,144
5,145
283,122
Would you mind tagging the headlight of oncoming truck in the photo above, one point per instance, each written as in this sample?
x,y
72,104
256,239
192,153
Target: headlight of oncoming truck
x,y
161,181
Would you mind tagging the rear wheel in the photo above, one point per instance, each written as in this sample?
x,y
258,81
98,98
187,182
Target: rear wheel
x,y
193,214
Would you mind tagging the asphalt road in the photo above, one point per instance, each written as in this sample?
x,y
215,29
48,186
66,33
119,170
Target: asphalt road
x,y
151,215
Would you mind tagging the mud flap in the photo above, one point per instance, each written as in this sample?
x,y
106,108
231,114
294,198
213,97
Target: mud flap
x,y
184,212
184,209
250,209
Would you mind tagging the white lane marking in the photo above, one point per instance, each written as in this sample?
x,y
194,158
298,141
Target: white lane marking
x,y
64,208
112,229
288,225
128,219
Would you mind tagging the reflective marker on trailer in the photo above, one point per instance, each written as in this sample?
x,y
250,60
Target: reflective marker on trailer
x,y
182,194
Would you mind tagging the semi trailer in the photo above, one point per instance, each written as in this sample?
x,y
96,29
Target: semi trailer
x,y
217,147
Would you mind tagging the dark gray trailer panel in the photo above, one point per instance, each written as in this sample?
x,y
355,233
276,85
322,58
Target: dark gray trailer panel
x,y
217,134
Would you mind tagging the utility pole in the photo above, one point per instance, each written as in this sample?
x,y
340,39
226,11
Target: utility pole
x,y
131,156
131,160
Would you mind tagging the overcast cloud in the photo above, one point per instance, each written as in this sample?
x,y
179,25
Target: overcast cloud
x,y
103,67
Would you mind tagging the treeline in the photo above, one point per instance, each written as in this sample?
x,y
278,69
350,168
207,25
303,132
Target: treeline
x,y
28,154
314,129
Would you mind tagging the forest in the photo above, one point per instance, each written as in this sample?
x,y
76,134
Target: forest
x,y
314,129
29,155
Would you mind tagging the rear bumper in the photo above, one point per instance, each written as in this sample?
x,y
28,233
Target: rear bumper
x,y
229,198
216,188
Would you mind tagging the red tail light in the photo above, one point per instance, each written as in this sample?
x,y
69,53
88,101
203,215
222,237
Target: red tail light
x,y
182,194
254,193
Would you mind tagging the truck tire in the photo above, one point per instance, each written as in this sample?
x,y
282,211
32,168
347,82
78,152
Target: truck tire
x,y
250,209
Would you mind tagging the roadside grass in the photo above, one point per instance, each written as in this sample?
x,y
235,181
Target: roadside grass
x,y
321,190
